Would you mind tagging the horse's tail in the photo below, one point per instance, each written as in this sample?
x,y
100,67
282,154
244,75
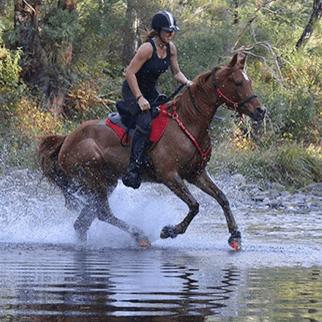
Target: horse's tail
x,y
47,152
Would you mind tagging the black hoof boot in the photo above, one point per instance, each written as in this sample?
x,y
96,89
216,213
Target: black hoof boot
x,y
132,177
168,231
235,240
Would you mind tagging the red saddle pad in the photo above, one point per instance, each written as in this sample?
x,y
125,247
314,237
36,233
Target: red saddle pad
x,y
159,125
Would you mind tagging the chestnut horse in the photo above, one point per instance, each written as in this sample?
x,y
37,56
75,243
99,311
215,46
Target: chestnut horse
x,y
91,160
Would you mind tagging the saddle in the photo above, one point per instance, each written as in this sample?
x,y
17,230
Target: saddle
x,y
123,125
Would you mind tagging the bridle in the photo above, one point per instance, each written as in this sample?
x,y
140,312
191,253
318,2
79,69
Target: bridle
x,y
205,155
235,105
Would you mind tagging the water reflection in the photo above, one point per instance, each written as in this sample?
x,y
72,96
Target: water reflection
x,y
279,294
47,282
288,294
60,283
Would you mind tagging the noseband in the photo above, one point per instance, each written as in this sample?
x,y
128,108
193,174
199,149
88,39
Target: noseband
x,y
236,105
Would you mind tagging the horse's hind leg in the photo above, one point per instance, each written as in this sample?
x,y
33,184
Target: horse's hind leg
x,y
105,214
101,211
206,184
84,221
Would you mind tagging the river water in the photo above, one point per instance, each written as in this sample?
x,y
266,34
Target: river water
x,y
46,276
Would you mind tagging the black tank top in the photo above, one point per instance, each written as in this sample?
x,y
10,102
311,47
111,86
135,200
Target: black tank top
x,y
151,70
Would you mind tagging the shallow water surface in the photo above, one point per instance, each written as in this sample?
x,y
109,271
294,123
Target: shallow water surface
x,y
62,283
46,276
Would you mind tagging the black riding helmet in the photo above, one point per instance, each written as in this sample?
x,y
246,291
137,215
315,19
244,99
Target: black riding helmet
x,y
164,20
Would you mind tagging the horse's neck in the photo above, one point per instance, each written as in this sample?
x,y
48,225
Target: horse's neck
x,y
196,117
198,107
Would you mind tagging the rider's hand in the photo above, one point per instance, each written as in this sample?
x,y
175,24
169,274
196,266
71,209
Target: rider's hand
x,y
144,104
188,83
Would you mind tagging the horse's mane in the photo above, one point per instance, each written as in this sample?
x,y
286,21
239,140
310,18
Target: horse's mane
x,y
184,99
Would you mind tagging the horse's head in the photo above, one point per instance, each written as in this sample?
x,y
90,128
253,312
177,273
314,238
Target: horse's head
x,y
234,88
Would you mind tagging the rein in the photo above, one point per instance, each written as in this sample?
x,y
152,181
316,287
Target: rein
x,y
193,100
204,155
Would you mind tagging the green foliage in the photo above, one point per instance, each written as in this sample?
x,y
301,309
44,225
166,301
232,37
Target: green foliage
x,y
9,65
10,87
204,50
290,164
32,121
1,31
17,150
293,101
200,51
291,115
60,31
288,81
60,26
108,27
9,70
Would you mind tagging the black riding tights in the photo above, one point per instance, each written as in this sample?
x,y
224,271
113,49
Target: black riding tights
x,y
143,119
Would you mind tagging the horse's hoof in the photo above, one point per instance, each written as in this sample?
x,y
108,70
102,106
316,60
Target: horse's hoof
x,y
141,239
144,243
235,245
234,240
168,231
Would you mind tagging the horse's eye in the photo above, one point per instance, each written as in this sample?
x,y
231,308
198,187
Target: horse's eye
x,y
240,84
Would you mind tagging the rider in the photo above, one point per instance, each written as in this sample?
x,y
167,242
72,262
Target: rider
x,y
139,88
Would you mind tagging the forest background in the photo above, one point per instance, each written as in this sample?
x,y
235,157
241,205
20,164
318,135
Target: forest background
x,y
62,62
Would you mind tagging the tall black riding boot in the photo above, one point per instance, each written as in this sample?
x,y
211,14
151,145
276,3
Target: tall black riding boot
x,y
132,176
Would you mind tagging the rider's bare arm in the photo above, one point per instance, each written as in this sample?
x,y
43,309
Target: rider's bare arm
x,y
176,72
143,54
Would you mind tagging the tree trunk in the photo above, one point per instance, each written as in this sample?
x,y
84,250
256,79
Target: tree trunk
x,y
129,34
236,5
308,31
26,24
43,66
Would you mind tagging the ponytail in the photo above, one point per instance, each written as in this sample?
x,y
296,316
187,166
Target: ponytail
x,y
150,34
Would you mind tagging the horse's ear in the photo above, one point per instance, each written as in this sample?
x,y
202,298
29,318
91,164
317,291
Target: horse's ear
x,y
242,62
233,61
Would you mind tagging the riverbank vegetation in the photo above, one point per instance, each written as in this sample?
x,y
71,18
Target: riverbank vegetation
x,y
61,65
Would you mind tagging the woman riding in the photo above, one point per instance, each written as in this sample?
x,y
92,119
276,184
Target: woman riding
x,y
139,88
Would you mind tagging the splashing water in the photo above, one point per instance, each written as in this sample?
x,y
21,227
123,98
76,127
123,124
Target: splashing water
x,y
33,211
196,275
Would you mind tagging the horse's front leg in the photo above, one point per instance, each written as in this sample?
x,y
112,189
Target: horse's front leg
x,y
206,184
177,185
